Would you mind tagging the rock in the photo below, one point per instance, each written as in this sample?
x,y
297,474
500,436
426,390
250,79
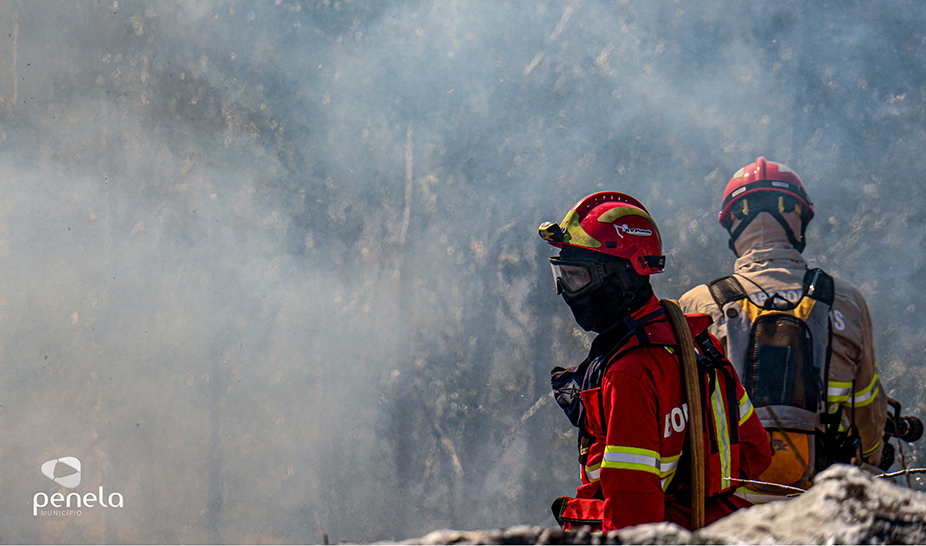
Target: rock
x,y
846,506
656,533
653,533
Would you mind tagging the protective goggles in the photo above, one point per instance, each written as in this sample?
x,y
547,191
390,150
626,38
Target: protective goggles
x,y
574,278
767,201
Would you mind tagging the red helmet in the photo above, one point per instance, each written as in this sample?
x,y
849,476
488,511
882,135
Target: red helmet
x,y
611,223
765,177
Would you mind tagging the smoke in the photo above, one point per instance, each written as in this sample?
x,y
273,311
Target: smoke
x,y
270,270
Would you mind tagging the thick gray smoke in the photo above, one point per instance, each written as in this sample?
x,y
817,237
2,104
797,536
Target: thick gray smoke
x,y
270,270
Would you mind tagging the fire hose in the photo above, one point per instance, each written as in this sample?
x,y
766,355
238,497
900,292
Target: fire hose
x,y
695,417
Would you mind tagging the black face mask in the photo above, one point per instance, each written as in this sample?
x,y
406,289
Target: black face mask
x,y
621,293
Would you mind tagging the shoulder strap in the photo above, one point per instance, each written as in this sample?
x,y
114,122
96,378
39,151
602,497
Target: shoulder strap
x,y
819,286
726,289
637,331
709,350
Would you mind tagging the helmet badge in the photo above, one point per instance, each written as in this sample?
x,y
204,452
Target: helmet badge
x,y
639,232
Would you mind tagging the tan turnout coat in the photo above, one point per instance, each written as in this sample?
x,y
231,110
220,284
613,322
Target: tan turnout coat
x,y
781,269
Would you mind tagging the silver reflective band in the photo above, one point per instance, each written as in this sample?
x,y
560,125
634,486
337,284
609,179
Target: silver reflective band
x,y
632,458
667,466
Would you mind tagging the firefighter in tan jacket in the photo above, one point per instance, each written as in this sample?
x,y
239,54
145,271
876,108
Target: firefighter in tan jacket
x,y
766,211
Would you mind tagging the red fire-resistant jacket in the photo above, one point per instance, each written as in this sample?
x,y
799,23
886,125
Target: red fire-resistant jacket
x,y
636,472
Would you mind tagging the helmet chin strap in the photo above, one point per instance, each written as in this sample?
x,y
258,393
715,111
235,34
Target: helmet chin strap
x,y
798,244
629,289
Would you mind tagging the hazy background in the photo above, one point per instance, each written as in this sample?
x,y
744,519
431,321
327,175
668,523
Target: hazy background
x,y
271,271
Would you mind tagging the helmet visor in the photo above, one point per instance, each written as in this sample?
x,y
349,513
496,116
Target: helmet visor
x,y
574,278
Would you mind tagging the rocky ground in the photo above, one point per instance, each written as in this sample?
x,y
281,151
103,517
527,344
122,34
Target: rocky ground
x,y
846,506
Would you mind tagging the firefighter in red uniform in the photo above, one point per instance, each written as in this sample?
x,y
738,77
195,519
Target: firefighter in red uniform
x,y
628,397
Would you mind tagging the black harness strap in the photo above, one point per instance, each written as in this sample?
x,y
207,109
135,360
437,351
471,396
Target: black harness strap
x,y
625,329
567,383
726,289
798,244
707,347
819,286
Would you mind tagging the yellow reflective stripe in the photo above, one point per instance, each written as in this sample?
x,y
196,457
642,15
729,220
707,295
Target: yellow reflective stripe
x,y
868,394
671,350
631,458
838,391
871,451
841,391
624,465
668,465
746,409
644,460
722,429
631,450
667,468
593,473
861,402
874,381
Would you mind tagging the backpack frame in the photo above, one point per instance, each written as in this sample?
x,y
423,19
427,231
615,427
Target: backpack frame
x,y
781,351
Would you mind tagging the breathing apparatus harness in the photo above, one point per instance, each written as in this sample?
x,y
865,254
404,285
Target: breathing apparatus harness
x,y
569,382
764,348
625,336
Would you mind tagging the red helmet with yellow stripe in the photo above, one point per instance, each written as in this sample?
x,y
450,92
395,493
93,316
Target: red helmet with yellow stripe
x,y
611,223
